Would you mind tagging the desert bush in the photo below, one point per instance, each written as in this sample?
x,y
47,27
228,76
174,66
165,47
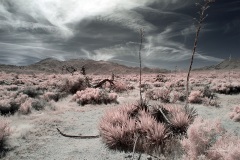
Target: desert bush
x,y
235,114
25,108
179,119
207,92
162,94
8,106
48,96
4,133
119,128
94,96
31,92
195,97
226,147
72,85
38,104
120,87
174,96
226,87
201,135
161,78
149,129
213,102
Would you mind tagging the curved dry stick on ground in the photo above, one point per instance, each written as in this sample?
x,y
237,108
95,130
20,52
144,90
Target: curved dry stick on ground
x,y
80,137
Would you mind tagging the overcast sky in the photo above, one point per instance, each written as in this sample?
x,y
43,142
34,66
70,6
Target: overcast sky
x,y
32,30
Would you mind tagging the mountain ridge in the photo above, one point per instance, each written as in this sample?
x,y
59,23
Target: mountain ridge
x,y
51,65
224,65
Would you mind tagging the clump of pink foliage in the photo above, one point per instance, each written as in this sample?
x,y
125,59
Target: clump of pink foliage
x,y
226,147
120,127
94,96
195,97
201,135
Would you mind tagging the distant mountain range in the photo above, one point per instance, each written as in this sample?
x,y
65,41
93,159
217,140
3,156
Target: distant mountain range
x,y
224,65
51,65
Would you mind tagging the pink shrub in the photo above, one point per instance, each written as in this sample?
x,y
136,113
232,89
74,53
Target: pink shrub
x,y
72,84
162,94
179,118
120,87
201,135
113,97
8,106
225,87
153,134
174,96
235,114
25,108
226,147
48,96
195,97
94,96
119,129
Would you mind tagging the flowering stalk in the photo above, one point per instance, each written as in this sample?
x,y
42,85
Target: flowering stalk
x,y
202,17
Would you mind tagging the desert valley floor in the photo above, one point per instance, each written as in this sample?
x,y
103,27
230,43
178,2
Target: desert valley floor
x,y
33,106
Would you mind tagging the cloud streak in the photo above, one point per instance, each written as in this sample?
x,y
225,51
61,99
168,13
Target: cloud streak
x,y
107,30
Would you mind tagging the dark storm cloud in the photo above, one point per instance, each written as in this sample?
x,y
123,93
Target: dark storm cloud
x,y
108,30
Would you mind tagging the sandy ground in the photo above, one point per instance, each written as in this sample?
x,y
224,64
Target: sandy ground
x,y
34,136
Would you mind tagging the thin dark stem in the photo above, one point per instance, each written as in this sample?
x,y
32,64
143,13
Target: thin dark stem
x,y
199,26
140,64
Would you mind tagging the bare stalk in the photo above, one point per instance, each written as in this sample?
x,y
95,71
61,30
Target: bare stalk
x,y
140,64
202,16
229,72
